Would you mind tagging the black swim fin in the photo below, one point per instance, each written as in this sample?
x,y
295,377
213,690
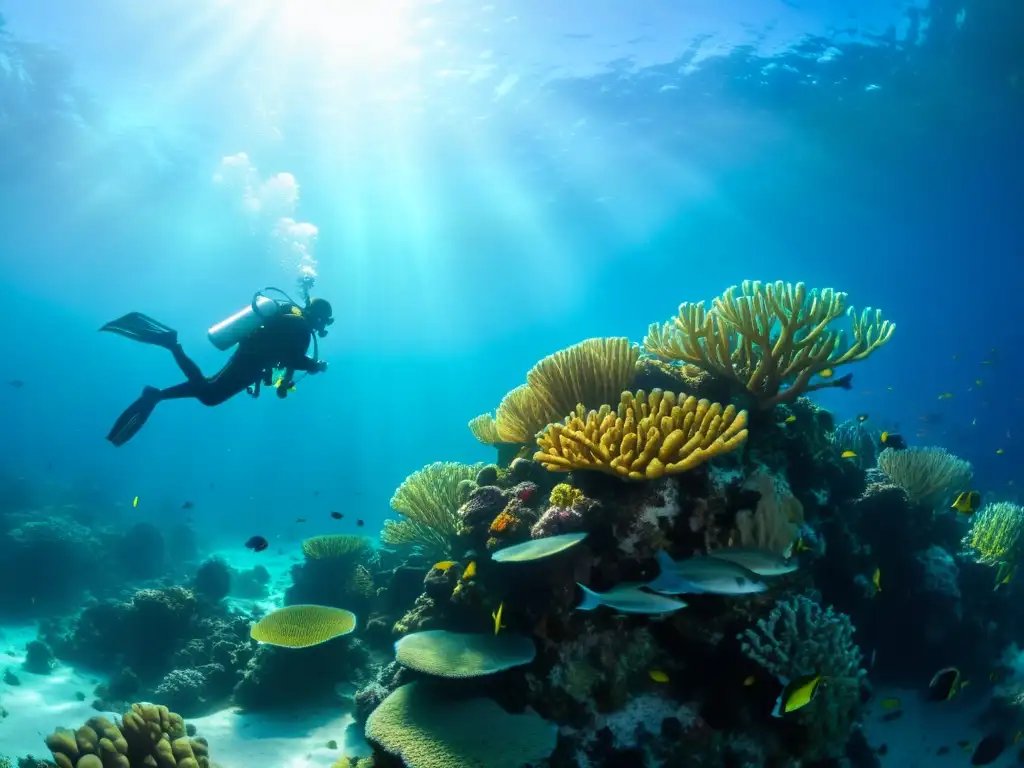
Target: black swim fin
x,y
140,327
134,417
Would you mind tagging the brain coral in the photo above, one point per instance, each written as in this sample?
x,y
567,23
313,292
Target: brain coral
x,y
456,654
427,731
148,735
300,626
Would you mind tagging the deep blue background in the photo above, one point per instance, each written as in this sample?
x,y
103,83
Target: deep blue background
x,y
875,152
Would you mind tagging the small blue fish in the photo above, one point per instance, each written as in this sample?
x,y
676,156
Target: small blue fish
x,y
629,598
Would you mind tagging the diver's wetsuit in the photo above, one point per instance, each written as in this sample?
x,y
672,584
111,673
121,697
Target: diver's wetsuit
x,y
281,342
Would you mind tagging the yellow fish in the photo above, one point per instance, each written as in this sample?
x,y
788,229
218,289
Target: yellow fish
x,y
749,680
797,694
1017,737
877,579
827,373
800,545
945,396
891,389
891,703
135,502
444,565
967,502
658,676
848,455
1004,575
790,419
470,571
978,382
277,384
497,618
1000,451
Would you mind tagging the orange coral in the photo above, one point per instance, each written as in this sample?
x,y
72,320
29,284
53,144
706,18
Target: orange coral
x,y
506,522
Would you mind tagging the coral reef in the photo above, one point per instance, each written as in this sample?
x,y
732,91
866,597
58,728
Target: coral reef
x,y
995,535
147,735
427,729
647,437
924,473
772,338
212,580
428,499
800,638
592,373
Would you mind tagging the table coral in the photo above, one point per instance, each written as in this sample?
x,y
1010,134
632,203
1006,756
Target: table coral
x,y
428,729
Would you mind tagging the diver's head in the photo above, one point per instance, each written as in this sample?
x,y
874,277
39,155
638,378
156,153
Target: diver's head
x,y
320,315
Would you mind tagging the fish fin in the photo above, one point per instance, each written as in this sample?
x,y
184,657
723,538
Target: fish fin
x,y
668,584
777,710
590,599
665,563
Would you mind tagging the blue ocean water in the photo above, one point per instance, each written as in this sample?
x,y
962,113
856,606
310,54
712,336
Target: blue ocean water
x,y
487,183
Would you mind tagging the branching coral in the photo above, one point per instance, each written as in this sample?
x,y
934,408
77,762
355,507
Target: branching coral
x,y
591,372
800,638
995,535
429,499
926,472
767,336
648,436
148,735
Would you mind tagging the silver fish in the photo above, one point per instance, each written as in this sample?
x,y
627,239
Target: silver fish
x,y
537,549
697,575
629,598
760,561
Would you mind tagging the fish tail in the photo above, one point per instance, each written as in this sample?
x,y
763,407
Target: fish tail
x,y
590,599
777,711
846,382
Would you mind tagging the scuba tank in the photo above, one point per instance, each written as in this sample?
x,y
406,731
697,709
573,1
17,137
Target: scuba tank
x,y
228,332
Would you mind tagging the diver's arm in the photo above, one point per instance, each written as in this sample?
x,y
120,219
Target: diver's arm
x,y
307,364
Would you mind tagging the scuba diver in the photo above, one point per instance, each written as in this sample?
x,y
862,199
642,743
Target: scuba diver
x,y
270,333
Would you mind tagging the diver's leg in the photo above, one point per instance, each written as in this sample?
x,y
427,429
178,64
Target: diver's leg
x,y
236,376
188,366
134,416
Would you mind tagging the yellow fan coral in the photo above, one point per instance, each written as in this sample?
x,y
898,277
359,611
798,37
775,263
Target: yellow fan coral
x,y
647,437
591,372
335,545
429,500
769,336
925,473
995,535
300,626
485,429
